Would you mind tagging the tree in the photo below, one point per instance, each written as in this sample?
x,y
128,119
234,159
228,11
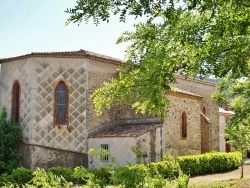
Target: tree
x,y
10,134
196,37
235,93
239,138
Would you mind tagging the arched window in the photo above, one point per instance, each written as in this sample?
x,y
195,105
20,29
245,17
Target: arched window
x,y
61,103
204,110
15,101
183,125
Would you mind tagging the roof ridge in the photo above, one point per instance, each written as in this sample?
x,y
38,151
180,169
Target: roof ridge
x,y
70,54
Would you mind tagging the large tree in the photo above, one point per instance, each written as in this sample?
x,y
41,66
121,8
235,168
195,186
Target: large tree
x,y
235,93
196,37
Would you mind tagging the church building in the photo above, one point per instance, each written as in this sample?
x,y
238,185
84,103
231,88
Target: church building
x,y
48,94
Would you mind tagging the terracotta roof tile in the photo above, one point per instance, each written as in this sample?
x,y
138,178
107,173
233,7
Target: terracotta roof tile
x,y
223,111
125,130
178,90
67,54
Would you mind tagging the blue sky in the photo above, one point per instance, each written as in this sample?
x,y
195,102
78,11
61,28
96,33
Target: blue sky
x,y
39,26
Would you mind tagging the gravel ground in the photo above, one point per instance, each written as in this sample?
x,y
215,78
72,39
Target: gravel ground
x,y
235,174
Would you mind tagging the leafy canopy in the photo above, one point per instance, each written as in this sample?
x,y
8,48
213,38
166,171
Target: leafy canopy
x,y
235,93
196,37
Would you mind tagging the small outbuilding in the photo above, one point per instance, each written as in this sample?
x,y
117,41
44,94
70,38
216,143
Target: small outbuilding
x,y
118,140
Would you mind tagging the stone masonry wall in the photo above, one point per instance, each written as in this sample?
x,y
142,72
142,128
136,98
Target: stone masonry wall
x,y
151,145
23,71
98,73
174,144
205,89
38,77
44,157
48,71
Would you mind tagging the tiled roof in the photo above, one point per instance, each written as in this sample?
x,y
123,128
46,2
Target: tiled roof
x,y
185,92
223,111
68,54
196,80
125,130
178,92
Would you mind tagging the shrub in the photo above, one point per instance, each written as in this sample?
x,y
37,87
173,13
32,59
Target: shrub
x,y
81,174
6,178
62,171
10,134
209,162
103,175
130,176
183,180
168,168
41,178
157,182
21,175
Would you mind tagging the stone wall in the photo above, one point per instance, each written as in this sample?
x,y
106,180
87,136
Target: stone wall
x,y
223,124
36,156
174,144
205,89
98,73
38,78
23,71
73,136
151,146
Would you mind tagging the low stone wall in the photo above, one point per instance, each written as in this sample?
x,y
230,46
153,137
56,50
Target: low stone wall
x,y
34,156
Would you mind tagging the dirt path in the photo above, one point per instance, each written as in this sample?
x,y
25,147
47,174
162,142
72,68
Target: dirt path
x,y
235,174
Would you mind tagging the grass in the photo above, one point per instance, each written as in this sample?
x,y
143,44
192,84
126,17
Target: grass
x,y
235,183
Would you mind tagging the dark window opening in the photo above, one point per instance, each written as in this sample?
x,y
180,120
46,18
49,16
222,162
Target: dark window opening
x,y
15,105
105,152
184,125
204,110
61,99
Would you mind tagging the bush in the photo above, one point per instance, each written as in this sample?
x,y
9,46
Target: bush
x,y
156,182
41,178
18,176
62,171
168,168
103,174
183,180
6,178
21,175
81,174
10,134
130,176
209,163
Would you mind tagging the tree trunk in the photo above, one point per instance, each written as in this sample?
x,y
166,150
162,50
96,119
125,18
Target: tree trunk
x,y
242,163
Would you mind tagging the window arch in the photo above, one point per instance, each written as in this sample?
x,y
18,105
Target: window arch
x,y
204,110
61,103
15,101
183,125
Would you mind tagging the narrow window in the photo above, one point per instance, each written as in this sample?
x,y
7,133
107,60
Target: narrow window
x,y
105,152
227,145
15,102
204,111
61,103
184,125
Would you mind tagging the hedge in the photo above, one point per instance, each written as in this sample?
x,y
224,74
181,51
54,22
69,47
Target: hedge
x,y
209,163
62,171
152,174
